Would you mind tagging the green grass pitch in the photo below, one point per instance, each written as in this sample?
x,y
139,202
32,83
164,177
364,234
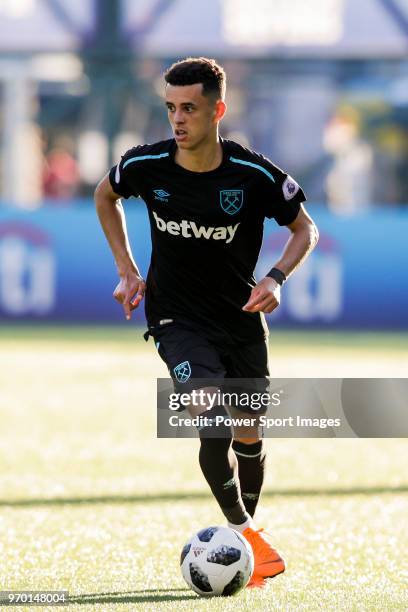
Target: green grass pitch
x,y
92,502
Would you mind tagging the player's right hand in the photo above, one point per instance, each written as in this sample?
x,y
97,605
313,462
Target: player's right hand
x,y
129,292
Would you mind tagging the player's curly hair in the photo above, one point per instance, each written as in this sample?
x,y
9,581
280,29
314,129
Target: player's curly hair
x,y
194,70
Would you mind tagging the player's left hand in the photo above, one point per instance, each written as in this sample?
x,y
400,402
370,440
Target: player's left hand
x,y
265,296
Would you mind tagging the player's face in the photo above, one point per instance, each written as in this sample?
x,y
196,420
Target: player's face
x,y
193,117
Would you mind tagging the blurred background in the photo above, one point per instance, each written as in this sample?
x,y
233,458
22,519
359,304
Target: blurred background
x,y
321,89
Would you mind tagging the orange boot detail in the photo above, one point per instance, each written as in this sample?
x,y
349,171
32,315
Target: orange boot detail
x,y
268,562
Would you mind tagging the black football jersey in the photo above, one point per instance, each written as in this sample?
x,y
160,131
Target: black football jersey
x,y
206,230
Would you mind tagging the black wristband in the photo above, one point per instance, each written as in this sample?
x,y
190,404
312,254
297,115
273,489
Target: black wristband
x,y
277,275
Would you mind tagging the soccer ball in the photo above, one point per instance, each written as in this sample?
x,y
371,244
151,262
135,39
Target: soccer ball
x,y
217,561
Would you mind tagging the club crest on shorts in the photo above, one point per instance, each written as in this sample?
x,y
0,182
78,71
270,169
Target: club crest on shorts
x,y
182,372
231,200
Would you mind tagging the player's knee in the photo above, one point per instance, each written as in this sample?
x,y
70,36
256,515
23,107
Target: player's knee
x,y
215,438
214,425
200,403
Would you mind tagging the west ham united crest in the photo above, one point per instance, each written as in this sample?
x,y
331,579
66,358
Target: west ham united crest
x,y
182,372
231,200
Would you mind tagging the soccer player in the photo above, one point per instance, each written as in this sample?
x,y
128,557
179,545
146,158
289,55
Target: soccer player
x,y
207,199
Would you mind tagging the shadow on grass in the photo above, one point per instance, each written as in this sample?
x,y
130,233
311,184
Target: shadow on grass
x,y
195,495
144,596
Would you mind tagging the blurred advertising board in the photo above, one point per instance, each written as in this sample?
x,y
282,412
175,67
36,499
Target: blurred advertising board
x,y
55,266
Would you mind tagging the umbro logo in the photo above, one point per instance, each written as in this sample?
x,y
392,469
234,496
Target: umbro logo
x,y
161,195
230,483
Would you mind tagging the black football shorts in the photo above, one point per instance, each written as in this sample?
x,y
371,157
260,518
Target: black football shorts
x,y
190,357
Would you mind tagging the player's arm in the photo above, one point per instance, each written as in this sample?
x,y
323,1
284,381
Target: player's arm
x,y
265,296
130,289
303,239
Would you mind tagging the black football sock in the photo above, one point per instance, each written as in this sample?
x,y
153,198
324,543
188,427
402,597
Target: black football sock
x,y
220,467
251,469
